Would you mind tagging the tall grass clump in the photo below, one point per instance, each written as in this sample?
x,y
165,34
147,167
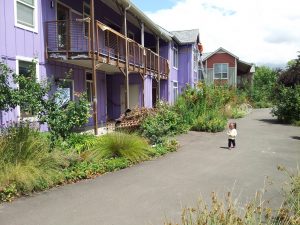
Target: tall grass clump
x,y
117,144
26,160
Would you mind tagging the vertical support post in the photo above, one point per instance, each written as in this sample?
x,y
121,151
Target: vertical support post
x,y
158,69
126,60
94,72
143,35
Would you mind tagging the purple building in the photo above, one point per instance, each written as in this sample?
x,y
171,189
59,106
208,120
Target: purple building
x,y
117,55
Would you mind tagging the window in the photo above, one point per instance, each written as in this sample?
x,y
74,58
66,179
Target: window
x,y
86,14
175,57
24,68
26,14
89,86
175,91
66,90
221,71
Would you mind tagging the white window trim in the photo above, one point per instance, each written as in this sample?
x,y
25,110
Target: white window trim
x,y
174,66
173,82
221,75
35,18
27,59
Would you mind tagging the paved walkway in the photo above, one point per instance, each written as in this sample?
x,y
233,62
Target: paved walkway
x,y
149,192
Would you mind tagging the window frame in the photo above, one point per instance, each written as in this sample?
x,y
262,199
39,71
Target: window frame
x,y
227,72
173,89
90,83
33,28
175,59
85,15
26,59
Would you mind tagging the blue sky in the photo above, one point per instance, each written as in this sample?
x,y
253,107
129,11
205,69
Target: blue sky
x,y
154,5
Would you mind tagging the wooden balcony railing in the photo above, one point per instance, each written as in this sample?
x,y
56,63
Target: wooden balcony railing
x,y
68,40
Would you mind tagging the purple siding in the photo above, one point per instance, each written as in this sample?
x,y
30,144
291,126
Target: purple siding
x,y
148,92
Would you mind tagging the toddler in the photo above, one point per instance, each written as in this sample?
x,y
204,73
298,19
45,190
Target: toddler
x,y
232,133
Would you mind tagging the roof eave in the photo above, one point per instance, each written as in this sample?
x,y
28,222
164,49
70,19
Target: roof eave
x,y
145,19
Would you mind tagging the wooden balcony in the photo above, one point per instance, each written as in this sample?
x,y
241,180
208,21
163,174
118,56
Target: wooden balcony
x,y
71,40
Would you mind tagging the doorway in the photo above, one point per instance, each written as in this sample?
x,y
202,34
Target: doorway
x,y
133,97
63,16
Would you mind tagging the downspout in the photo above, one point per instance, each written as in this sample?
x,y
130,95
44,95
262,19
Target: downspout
x,y
126,59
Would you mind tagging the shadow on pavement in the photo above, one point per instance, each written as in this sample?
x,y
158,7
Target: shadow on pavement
x,y
224,148
296,137
272,121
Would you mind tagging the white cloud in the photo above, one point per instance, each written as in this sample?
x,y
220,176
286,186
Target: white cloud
x,y
259,31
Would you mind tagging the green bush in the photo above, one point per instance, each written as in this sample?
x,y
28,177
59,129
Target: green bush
x,y
165,147
26,160
263,82
166,122
129,146
211,121
287,103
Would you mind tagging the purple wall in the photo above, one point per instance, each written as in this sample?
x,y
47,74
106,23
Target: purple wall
x,y
17,42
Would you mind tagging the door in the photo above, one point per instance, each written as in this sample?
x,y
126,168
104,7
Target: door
x,y
63,16
133,97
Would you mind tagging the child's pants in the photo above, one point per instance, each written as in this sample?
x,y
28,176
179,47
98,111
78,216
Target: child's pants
x,y
231,141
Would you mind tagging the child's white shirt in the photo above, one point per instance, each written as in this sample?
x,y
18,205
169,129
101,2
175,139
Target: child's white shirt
x,y
232,134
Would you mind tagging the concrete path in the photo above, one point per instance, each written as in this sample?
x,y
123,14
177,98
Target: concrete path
x,y
149,192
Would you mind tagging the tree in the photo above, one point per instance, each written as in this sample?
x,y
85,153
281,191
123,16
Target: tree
x,y
286,94
263,83
33,97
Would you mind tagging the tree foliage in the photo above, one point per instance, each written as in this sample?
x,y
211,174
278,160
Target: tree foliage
x,y
286,94
33,97
263,84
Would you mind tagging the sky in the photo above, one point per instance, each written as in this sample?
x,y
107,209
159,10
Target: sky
x,y
257,31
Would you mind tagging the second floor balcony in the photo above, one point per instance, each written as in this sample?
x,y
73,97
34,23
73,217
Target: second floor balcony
x,y
70,40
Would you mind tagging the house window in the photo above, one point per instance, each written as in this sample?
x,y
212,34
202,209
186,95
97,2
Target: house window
x,y
86,15
175,91
175,57
24,69
89,86
221,71
66,90
26,15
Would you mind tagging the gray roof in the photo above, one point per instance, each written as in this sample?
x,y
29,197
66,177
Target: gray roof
x,y
186,36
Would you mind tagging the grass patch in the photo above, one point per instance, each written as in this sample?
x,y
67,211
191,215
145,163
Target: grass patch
x,y
26,161
117,144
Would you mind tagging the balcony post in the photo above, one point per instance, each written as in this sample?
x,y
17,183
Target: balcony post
x,y
158,68
126,60
94,72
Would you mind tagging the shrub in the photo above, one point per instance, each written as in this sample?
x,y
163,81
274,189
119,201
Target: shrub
x,y
63,119
263,82
26,160
165,147
287,103
129,146
166,122
210,121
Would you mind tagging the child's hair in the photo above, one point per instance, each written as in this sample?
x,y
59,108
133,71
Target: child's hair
x,y
234,124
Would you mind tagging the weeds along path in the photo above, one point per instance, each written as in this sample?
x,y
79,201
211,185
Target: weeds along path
x,y
151,191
